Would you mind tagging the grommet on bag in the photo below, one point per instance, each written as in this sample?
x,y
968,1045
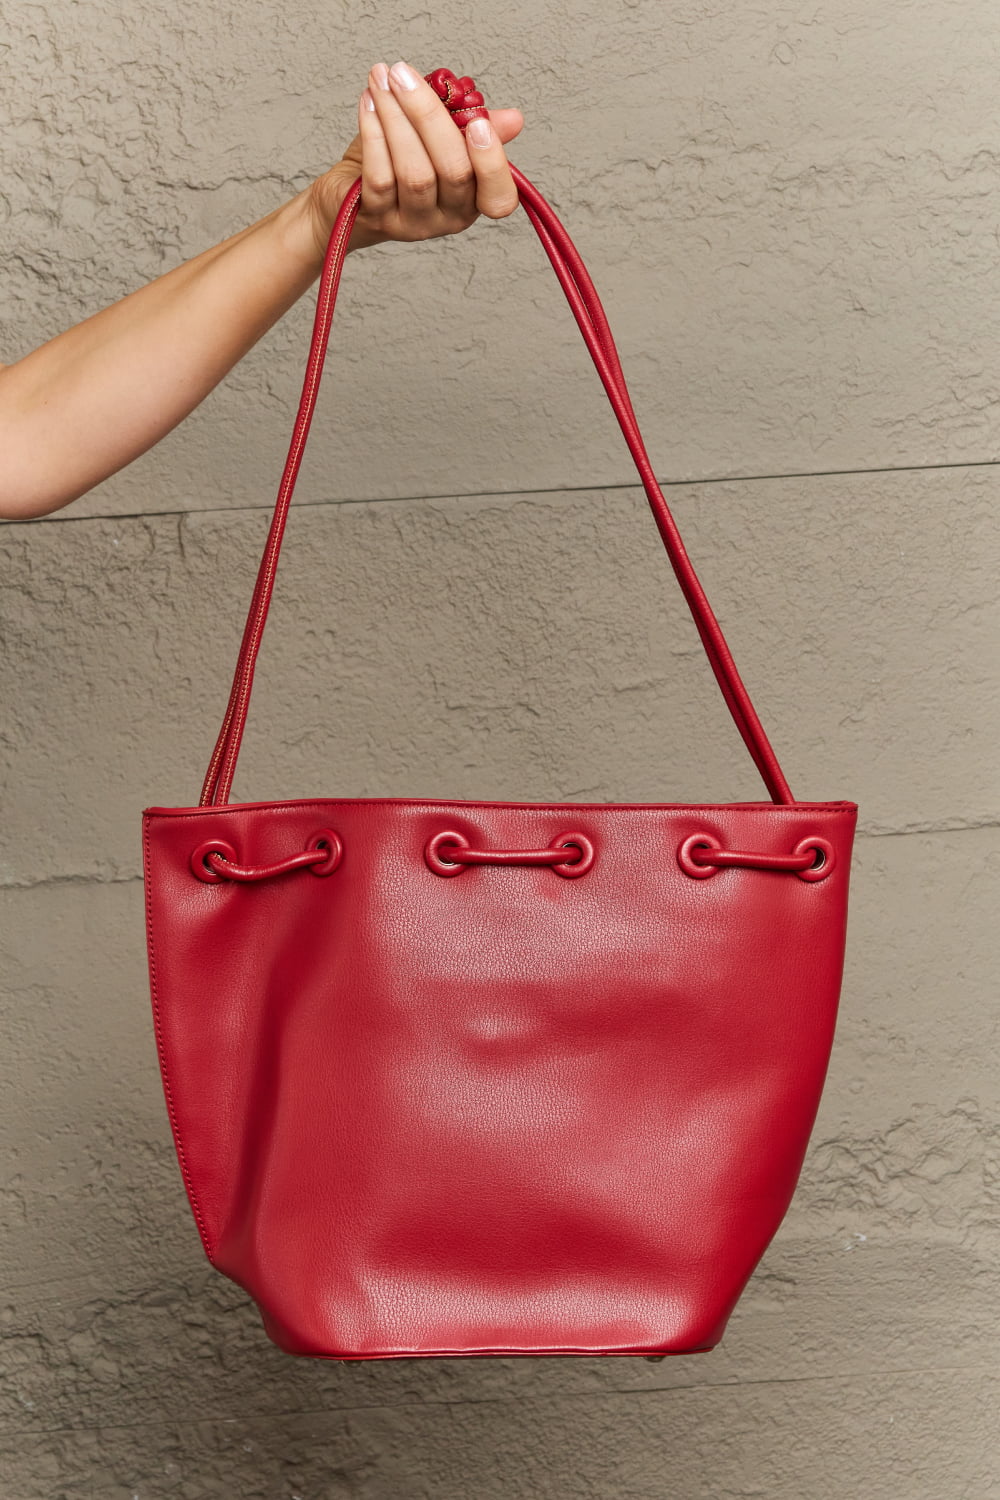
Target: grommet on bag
x,y
326,838
686,860
825,848
211,846
579,866
437,864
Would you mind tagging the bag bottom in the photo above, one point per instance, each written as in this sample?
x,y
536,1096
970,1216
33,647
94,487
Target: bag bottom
x,y
279,1336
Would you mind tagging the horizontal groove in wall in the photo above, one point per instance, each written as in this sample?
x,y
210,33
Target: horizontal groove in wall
x,y
147,515
532,1399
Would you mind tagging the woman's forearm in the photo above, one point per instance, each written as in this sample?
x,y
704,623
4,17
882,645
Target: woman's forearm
x,y
92,399
89,401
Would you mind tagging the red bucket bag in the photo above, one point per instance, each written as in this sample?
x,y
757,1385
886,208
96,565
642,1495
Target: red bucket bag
x,y
493,1078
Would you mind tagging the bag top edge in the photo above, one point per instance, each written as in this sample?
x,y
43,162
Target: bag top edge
x,y
458,802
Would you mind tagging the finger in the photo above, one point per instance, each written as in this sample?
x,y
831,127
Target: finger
x,y
440,136
416,174
496,195
378,179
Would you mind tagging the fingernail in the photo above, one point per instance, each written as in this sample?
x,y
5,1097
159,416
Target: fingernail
x,y
404,76
367,100
380,73
479,132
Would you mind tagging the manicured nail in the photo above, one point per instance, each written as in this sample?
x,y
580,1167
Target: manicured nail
x,y
380,73
367,100
404,76
479,132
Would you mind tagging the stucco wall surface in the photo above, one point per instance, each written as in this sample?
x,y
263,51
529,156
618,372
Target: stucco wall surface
x,y
792,215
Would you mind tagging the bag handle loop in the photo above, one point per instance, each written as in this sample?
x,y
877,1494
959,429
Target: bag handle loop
x,y
465,104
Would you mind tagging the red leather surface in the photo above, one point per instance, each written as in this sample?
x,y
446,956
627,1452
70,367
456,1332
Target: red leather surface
x,y
503,1112
535,1099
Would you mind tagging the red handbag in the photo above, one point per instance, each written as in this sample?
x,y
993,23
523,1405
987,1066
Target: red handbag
x,y
472,1078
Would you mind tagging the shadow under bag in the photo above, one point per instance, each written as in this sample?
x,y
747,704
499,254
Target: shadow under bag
x,y
472,1078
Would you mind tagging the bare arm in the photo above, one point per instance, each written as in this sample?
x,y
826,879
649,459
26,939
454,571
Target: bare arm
x,y
92,399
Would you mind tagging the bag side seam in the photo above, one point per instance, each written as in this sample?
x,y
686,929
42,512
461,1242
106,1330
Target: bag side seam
x,y
161,1049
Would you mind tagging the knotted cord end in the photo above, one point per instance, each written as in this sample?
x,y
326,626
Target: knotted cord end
x,y
459,95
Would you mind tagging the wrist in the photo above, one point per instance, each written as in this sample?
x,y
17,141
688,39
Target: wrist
x,y
310,216
299,233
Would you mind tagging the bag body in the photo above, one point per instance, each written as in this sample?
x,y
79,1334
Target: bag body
x,y
501,1113
493,1078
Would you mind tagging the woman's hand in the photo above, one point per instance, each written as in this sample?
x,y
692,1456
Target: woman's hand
x,y
419,178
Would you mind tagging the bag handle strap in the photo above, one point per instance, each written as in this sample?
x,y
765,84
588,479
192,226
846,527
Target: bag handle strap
x,y
466,103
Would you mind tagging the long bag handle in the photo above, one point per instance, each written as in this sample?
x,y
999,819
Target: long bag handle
x,y
465,104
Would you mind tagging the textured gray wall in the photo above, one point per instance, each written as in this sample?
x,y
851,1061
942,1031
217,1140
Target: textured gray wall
x,y
791,214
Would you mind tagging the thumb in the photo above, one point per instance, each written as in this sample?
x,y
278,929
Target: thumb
x,y
506,122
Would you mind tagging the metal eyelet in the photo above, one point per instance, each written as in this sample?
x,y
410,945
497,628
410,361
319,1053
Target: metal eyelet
x,y
579,866
211,846
434,860
686,860
826,864
332,841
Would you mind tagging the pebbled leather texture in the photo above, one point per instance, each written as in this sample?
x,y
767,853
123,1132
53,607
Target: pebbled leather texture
x,y
493,1078
504,1112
